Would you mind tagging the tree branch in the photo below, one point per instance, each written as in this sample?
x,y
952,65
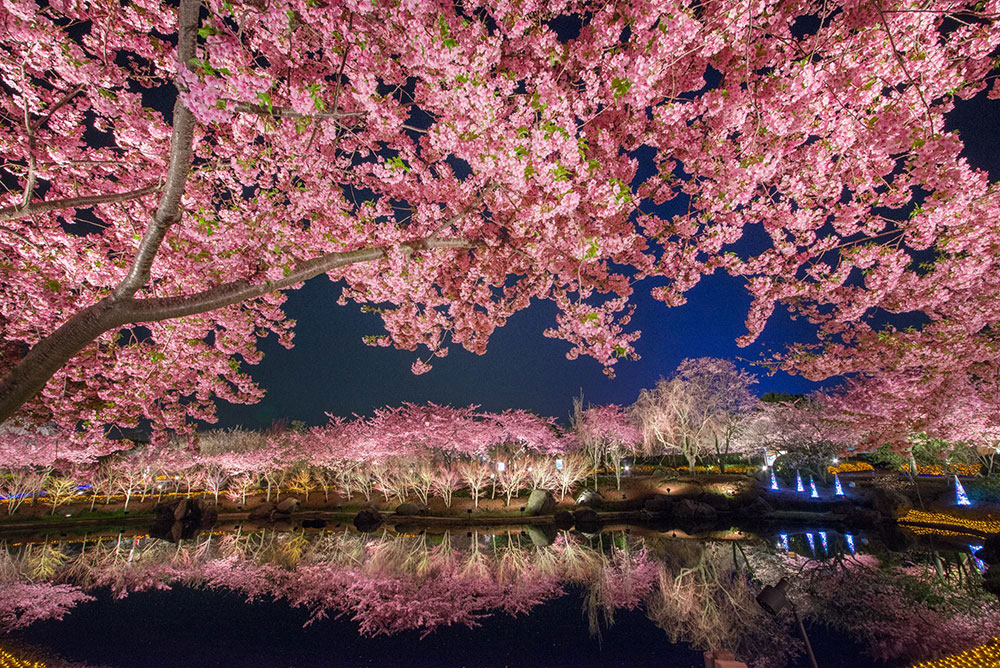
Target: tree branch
x,y
13,212
286,112
47,356
155,309
181,138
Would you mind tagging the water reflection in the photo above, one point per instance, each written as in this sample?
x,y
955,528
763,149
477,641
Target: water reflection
x,y
910,604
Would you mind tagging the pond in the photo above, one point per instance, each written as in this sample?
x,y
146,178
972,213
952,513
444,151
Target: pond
x,y
482,596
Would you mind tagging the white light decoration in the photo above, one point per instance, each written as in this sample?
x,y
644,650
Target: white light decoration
x,y
501,466
559,464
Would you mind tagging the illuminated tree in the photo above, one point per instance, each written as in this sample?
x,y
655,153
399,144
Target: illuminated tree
x,y
59,490
727,394
476,473
675,415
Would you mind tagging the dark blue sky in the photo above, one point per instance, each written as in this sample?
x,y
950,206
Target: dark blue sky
x,y
330,369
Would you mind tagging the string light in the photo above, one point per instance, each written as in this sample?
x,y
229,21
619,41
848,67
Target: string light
x,y
924,517
8,660
984,656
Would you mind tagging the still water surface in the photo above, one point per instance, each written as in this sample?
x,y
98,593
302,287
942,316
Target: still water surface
x,y
627,596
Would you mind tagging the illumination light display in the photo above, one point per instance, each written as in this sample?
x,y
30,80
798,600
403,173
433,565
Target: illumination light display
x,y
798,482
838,490
961,498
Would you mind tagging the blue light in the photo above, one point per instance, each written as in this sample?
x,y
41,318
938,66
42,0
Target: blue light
x,y
961,498
798,482
980,564
783,541
822,539
850,542
774,480
812,488
837,489
812,542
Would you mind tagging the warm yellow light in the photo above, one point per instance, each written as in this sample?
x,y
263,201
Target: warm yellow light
x,y
924,517
8,660
984,656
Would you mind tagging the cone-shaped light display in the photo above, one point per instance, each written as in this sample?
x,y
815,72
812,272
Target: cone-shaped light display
x,y
961,498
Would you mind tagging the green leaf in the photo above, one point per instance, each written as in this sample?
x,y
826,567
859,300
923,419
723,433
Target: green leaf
x,y
620,86
622,192
396,163
314,90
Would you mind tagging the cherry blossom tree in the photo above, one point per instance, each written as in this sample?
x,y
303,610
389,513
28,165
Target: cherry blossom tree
x,y
514,154
24,603
903,411
807,433
607,434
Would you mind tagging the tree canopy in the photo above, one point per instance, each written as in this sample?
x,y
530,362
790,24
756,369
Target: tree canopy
x,y
451,164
